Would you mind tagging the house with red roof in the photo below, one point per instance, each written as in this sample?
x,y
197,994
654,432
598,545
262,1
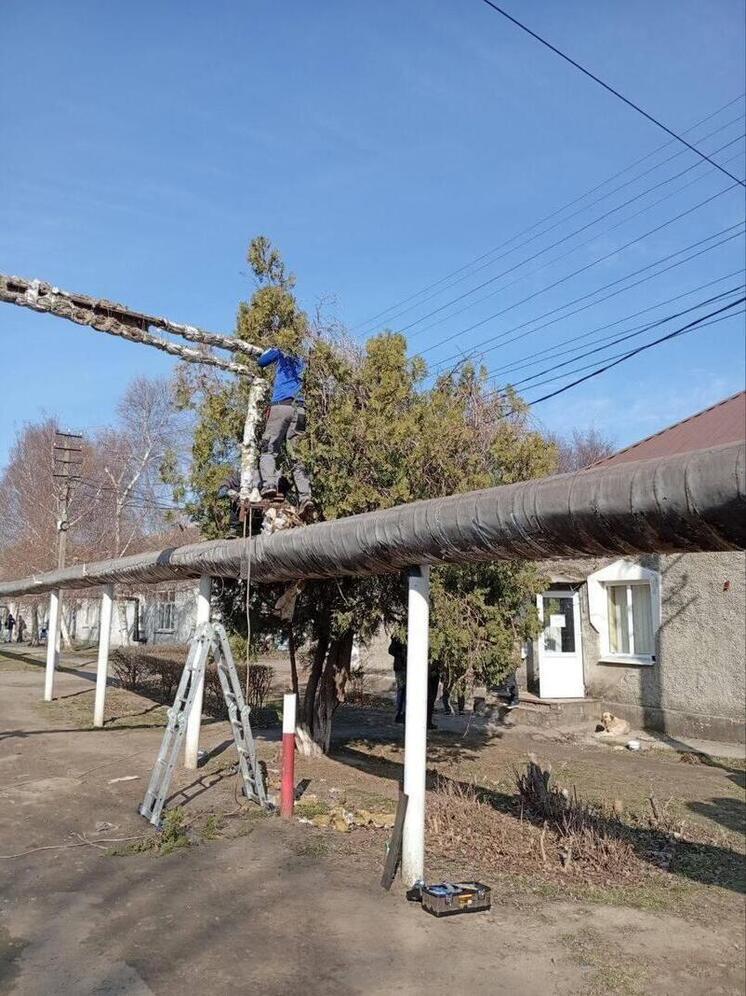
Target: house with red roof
x,y
660,639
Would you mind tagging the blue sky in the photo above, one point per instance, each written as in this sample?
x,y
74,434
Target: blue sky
x,y
381,146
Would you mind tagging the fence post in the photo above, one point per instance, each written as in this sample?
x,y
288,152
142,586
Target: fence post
x,y
104,641
415,730
287,783
53,650
191,749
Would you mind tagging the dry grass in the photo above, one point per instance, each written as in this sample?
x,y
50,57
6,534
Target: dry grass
x,y
541,830
555,842
584,833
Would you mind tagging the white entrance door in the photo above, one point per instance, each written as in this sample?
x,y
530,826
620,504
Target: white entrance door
x,y
560,652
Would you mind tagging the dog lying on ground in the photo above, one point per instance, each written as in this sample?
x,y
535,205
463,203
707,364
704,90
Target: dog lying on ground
x,y
613,725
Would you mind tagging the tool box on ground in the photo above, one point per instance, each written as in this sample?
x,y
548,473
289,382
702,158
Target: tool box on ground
x,y
449,898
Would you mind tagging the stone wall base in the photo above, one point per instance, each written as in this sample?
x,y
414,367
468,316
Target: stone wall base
x,y
675,723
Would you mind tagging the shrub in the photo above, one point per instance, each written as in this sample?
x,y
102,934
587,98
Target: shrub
x,y
260,684
155,671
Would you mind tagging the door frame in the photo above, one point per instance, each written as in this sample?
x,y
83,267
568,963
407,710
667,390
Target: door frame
x,y
543,654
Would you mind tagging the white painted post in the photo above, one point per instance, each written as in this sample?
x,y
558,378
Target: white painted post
x,y
415,731
104,639
191,749
53,635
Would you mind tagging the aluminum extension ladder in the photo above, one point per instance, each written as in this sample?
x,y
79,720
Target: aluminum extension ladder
x,y
208,637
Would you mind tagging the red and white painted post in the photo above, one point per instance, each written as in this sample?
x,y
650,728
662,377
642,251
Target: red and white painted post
x,y
287,783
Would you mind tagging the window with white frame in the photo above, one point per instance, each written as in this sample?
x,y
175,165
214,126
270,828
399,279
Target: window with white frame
x,y
630,618
624,606
165,612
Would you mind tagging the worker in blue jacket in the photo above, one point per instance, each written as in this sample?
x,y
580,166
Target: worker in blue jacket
x,y
286,424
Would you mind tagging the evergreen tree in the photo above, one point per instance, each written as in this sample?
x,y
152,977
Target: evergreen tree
x,y
378,435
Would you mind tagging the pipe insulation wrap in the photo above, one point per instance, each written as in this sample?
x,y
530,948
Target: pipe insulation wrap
x,y
694,501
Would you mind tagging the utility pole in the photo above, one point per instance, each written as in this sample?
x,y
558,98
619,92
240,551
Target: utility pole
x,y
67,461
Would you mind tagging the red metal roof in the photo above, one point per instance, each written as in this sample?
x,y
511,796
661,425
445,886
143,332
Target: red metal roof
x,y
722,423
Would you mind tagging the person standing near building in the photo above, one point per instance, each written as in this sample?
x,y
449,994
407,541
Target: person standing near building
x,y
10,623
398,650
286,426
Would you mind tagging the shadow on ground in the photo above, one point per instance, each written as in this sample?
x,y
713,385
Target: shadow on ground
x,y
705,863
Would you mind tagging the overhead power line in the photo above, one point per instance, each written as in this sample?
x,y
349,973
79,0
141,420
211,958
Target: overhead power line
x,y
613,341
577,200
531,359
611,89
690,327
581,269
101,492
700,323
553,245
501,337
665,182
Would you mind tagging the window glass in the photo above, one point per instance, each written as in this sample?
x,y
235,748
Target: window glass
x,y
559,625
642,619
618,619
165,611
630,635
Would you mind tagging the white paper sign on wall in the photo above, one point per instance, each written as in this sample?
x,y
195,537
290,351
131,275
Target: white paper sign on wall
x,y
557,622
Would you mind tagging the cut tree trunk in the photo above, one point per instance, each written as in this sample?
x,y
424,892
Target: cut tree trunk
x,y
324,692
34,626
305,728
332,688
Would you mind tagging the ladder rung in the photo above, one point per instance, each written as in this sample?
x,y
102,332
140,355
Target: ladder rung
x,y
209,636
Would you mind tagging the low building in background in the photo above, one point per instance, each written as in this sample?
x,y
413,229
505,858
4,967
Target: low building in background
x,y
154,615
658,639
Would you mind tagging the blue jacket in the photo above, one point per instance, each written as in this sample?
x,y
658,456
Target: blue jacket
x,y
289,376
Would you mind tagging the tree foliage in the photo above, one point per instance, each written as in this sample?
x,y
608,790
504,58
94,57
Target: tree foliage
x,y
116,497
581,449
380,433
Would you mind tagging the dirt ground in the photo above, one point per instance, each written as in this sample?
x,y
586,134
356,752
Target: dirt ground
x,y
254,904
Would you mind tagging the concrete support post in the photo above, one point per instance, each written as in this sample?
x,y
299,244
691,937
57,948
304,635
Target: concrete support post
x,y
53,637
191,748
104,640
415,732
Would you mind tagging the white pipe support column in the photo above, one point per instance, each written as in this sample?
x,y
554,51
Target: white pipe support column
x,y
53,636
104,641
415,731
191,749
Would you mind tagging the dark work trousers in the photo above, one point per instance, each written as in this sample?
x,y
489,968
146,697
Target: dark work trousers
x,y
433,680
286,425
401,694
